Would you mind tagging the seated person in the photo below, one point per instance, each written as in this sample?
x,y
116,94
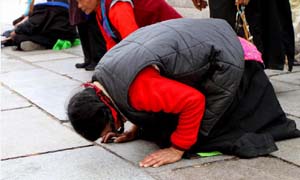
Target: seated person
x,y
189,85
48,22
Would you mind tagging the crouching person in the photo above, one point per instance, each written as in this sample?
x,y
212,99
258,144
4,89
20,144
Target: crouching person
x,y
190,85
48,22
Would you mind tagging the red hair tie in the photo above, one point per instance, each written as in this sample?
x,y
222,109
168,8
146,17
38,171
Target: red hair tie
x,y
104,99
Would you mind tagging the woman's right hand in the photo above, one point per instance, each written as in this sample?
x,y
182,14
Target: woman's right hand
x,y
120,138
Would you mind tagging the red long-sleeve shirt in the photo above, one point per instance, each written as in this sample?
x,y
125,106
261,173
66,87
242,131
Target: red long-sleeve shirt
x,y
121,16
154,93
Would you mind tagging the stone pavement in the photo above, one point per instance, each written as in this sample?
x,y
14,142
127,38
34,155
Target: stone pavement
x,y
37,141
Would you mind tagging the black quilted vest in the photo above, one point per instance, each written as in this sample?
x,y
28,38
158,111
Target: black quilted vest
x,y
203,53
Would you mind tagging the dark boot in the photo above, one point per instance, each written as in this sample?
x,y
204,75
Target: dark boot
x,y
90,67
82,65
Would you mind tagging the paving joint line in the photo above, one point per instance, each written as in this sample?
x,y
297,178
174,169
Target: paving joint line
x,y
126,160
41,67
207,163
282,73
47,152
295,84
16,108
35,105
291,115
286,161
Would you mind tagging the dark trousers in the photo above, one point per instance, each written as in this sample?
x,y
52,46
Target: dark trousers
x,y
92,41
270,24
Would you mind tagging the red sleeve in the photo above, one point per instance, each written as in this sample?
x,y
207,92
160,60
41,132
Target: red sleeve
x,y
155,93
122,17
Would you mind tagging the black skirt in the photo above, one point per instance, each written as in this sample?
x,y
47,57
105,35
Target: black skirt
x,y
253,122
250,126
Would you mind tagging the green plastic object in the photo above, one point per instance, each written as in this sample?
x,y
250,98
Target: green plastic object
x,y
64,44
58,45
209,154
76,42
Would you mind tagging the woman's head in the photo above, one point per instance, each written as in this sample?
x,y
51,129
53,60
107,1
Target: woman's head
x,y
88,115
88,6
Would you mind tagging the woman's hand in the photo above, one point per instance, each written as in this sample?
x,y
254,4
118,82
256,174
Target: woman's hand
x,y
119,138
161,157
200,4
242,2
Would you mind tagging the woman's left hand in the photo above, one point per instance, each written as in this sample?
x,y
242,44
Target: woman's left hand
x,y
161,157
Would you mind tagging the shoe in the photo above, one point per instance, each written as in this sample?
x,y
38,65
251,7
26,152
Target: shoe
x,y
30,46
90,67
81,65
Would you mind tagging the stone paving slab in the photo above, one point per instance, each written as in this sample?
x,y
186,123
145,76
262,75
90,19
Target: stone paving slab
x,y
46,89
52,100
11,64
62,66
280,87
136,150
248,169
29,131
289,150
10,100
53,55
292,78
10,51
35,78
271,72
290,102
79,164
77,50
2,55
296,69
82,76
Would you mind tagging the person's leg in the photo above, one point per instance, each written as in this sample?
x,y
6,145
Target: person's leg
x,y
84,39
97,46
93,43
33,42
254,18
287,34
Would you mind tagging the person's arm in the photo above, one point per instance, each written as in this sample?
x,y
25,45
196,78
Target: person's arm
x,y
154,93
122,17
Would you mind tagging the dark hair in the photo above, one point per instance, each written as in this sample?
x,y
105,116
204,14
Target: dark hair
x,y
88,115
